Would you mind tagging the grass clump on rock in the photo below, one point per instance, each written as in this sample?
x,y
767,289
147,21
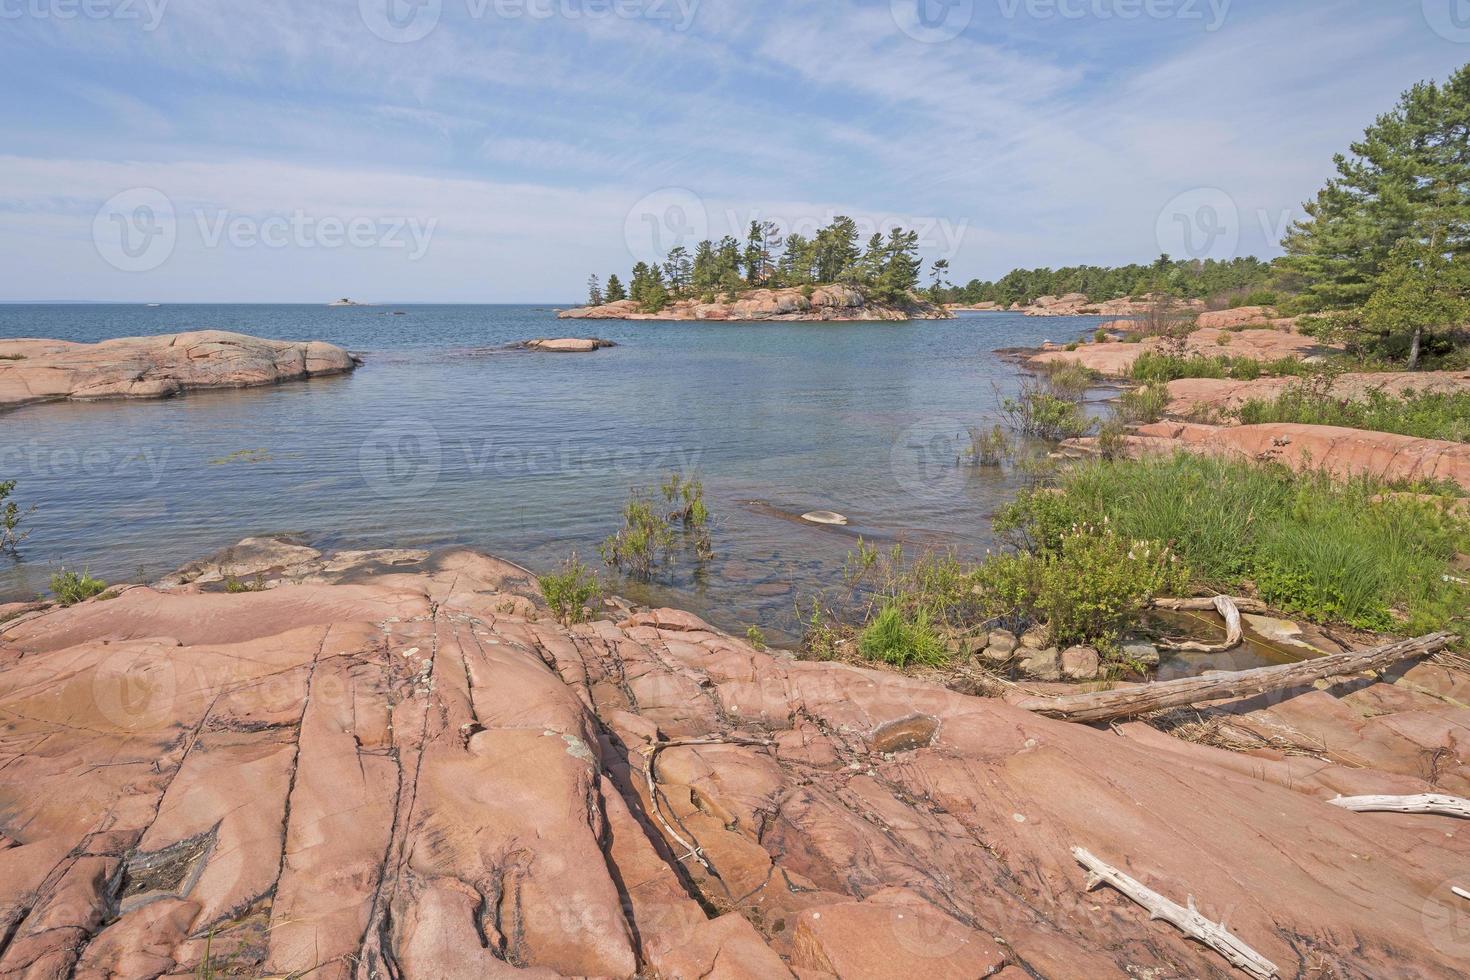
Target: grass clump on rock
x,y
71,588
10,517
1330,550
1425,415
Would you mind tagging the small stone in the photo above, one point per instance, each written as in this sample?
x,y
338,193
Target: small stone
x,y
905,734
1003,640
1080,663
1139,652
1034,638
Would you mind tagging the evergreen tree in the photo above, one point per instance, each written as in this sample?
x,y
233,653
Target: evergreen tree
x,y
594,291
706,275
1408,178
1421,292
615,291
940,272
679,271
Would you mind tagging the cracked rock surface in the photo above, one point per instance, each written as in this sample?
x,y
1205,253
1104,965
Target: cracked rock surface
x,y
398,765
156,367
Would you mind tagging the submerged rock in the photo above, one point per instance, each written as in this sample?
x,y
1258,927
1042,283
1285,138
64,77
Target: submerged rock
x,y
825,517
569,345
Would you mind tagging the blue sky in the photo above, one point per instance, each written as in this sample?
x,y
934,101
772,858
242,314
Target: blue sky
x,y
500,150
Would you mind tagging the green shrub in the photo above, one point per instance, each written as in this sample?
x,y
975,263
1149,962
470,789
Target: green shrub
x,y
755,637
570,591
1069,380
644,543
1039,414
71,588
1145,404
233,584
10,518
1088,589
902,640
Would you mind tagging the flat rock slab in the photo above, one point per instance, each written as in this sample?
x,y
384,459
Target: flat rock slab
x,y
1189,396
1340,451
157,367
1116,360
398,764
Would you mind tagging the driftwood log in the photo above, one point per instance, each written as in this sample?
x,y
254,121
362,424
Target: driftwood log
x,y
1229,610
1128,702
1437,803
1186,920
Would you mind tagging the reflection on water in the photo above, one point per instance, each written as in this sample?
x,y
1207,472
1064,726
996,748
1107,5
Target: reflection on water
x,y
447,437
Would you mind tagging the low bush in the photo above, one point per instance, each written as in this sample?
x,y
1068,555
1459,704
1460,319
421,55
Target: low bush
x,y
1040,414
1145,404
648,538
988,448
1087,589
570,591
71,588
1154,367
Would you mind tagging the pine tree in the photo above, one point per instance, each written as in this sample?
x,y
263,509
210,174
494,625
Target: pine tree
x,y
594,291
1407,178
615,291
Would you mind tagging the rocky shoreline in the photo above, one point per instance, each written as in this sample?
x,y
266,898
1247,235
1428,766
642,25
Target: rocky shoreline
x,y
1077,304
396,763
34,371
822,303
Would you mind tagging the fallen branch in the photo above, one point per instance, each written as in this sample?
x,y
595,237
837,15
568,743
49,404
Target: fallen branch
x,y
1186,920
1130,701
691,849
1228,610
1254,606
1449,806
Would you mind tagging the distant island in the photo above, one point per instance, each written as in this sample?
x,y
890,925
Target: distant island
x,y
344,301
775,277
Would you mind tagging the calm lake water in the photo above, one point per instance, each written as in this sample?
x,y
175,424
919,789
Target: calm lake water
x,y
444,437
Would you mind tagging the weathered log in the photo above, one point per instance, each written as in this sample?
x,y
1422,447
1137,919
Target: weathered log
x,y
1207,603
1186,920
1127,702
1437,803
1229,611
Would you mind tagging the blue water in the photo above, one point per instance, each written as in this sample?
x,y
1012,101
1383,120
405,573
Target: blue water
x,y
444,437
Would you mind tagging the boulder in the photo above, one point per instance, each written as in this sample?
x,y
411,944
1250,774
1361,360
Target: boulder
x,y
1043,665
1142,653
157,367
1080,664
1003,640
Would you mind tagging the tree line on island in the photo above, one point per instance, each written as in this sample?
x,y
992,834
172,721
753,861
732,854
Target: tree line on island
x,y
887,269
1381,259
